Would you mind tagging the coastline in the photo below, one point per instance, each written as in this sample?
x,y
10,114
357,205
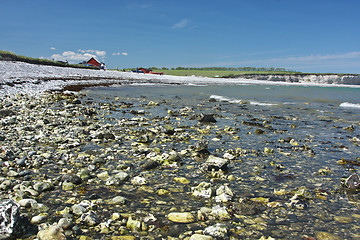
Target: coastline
x,y
133,165
19,77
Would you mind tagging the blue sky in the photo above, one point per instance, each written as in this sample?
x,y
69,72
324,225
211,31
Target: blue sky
x,y
303,35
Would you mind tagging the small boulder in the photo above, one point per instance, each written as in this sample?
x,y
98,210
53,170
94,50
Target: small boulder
x,y
215,163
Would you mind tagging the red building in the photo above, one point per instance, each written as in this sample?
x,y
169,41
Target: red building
x,y
94,62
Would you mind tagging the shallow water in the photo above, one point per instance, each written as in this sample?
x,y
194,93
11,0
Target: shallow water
x,y
315,118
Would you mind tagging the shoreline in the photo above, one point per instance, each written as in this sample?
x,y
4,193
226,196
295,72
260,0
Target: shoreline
x,y
25,78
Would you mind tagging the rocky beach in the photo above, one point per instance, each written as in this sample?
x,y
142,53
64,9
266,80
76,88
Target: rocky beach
x,y
143,163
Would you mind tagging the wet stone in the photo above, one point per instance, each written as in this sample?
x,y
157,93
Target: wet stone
x,y
215,163
326,236
181,217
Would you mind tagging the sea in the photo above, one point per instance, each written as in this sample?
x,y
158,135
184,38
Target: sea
x,y
294,147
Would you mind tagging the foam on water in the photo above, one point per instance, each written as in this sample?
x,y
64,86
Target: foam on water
x,y
262,103
225,99
349,105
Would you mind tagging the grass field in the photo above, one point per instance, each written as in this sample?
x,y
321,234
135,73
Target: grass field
x,y
214,73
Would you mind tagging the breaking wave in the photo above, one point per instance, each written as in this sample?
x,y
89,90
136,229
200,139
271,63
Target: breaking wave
x,y
349,105
239,101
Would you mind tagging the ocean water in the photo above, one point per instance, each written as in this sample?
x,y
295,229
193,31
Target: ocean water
x,y
309,143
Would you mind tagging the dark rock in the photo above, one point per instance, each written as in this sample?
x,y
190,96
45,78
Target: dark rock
x,y
248,207
259,131
169,129
201,146
151,164
207,119
71,178
6,113
105,135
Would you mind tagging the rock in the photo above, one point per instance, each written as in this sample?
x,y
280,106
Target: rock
x,y
326,236
215,163
201,147
53,232
353,182
123,238
39,218
138,180
27,203
10,223
223,194
71,178
182,180
105,135
150,164
78,209
103,176
135,225
259,131
343,219
6,113
202,190
181,217
90,218
118,200
200,237
67,186
206,118
43,186
247,207
218,231
220,213
65,223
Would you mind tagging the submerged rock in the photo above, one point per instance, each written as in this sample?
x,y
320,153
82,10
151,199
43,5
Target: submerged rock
x,y
353,182
219,231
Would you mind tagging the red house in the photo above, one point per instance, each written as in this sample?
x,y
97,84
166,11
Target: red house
x,y
94,62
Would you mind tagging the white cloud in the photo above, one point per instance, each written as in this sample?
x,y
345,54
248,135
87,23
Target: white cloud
x,y
52,48
96,52
72,56
182,24
81,55
120,53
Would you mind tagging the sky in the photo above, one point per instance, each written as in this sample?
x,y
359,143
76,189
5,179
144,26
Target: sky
x,y
302,35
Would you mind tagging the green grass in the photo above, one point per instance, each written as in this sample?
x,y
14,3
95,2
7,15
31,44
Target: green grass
x,y
10,56
214,73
